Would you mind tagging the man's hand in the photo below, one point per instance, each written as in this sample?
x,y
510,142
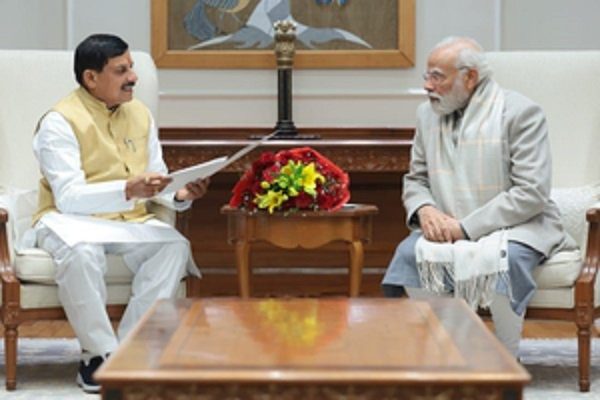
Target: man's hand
x,y
439,227
193,190
456,230
146,185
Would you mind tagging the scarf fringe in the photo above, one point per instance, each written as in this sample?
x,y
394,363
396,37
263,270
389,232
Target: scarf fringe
x,y
478,291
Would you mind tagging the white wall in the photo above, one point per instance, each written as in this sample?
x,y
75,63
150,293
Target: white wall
x,y
321,97
551,24
32,24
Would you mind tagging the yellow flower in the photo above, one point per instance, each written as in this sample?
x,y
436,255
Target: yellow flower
x,y
289,168
270,200
289,177
309,179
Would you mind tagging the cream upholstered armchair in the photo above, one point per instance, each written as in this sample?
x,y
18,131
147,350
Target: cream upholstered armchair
x,y
30,83
566,85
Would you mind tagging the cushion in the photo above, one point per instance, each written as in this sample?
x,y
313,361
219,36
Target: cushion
x,y
35,265
559,271
553,298
560,297
42,296
572,204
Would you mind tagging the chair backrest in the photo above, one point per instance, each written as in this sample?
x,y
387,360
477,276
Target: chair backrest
x,y
566,84
567,87
31,82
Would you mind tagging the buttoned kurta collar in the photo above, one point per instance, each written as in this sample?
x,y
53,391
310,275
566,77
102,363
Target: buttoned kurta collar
x,y
94,104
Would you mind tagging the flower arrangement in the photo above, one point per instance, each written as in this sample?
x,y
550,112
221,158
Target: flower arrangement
x,y
291,180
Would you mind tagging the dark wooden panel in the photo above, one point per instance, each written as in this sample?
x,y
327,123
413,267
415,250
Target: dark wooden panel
x,y
375,159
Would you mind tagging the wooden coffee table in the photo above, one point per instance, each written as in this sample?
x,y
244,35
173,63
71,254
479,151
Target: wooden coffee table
x,y
231,348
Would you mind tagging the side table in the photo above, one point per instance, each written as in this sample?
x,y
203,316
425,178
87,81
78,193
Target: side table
x,y
305,229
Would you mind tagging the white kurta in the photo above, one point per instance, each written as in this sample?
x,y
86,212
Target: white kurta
x,y
57,150
155,252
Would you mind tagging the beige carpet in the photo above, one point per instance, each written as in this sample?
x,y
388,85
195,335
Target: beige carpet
x,y
48,367
552,364
47,370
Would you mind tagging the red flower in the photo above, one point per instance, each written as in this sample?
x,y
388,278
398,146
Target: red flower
x,y
267,181
303,201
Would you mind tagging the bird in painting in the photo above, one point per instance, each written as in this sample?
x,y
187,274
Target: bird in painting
x,y
258,32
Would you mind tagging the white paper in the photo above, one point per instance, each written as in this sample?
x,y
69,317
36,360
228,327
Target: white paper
x,y
204,170
199,171
74,229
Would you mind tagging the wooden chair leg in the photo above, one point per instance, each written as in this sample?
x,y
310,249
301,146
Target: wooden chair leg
x,y
584,350
11,292
11,336
584,318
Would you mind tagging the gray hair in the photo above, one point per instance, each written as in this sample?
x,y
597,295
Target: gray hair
x,y
470,55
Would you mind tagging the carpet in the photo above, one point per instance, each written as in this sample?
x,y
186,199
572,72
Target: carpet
x,y
552,364
48,367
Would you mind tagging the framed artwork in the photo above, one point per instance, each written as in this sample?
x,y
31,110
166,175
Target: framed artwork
x,y
239,33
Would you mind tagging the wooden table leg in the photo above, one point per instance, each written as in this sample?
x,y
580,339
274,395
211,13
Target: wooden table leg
x,y
242,254
356,264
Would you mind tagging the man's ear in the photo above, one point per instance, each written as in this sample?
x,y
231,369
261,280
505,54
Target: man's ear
x,y
89,78
471,79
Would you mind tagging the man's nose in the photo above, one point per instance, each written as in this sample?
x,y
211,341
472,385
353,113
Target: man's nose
x,y
133,77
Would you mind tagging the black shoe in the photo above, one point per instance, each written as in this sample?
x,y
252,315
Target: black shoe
x,y
85,377
393,290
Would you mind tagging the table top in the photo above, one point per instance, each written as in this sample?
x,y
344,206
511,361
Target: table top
x,y
232,340
348,210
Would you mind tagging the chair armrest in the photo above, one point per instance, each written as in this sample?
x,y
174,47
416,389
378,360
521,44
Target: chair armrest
x,y
4,255
11,288
591,264
593,214
7,271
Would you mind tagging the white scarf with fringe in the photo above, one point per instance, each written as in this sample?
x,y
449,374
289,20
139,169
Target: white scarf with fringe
x,y
467,172
471,268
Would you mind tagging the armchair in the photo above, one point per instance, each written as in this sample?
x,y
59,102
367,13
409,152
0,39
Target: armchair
x,y
566,85
31,82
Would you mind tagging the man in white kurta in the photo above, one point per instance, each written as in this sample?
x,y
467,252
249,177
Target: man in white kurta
x,y
101,159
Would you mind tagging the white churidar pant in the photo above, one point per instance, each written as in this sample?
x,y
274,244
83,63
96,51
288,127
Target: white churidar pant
x,y
158,269
508,325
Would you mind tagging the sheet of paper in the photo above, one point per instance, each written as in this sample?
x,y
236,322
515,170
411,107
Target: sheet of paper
x,y
208,168
203,170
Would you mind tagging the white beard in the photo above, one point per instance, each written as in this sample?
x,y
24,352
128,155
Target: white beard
x,y
457,98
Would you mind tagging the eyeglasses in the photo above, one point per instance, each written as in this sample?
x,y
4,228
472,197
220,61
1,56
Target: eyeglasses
x,y
436,77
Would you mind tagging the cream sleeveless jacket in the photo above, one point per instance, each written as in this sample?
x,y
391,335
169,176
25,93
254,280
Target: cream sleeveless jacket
x,y
113,145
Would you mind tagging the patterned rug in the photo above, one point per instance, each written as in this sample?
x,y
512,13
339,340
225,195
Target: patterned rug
x,y
48,367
